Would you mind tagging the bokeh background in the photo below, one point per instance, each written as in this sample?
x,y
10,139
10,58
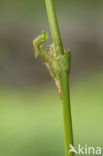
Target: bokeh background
x,y
31,122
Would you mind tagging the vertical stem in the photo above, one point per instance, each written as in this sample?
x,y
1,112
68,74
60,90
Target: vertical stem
x,y
63,76
54,26
67,113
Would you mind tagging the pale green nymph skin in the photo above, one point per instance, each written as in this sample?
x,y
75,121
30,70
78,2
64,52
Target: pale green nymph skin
x,y
55,64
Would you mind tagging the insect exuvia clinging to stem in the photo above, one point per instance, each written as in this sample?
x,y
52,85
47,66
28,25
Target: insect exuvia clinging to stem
x,y
55,64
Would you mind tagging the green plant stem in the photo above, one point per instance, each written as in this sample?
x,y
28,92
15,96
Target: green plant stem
x,y
54,26
63,76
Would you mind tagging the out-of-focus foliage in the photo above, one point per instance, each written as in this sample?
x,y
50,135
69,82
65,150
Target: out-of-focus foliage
x,y
31,124
21,21
30,111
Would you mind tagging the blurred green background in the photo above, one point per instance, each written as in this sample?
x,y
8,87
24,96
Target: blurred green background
x,y
31,122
